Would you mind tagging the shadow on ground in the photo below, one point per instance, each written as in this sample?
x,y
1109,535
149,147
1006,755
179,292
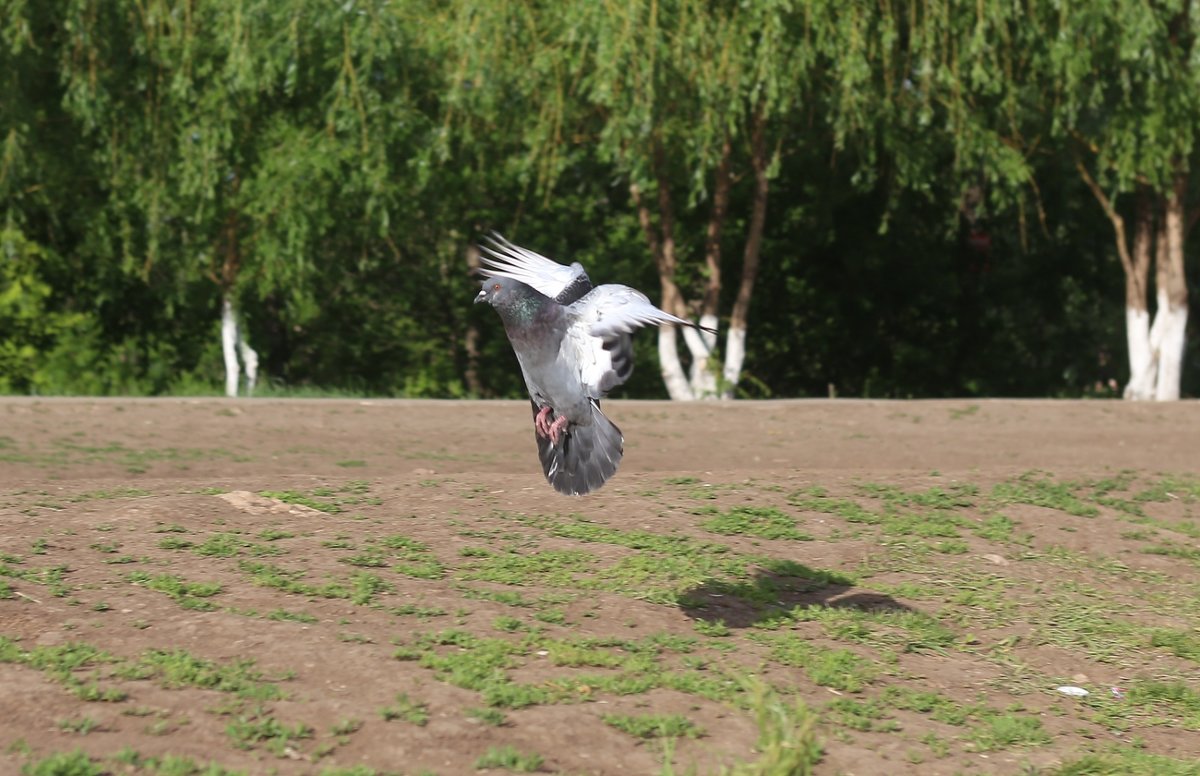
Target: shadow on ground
x,y
771,593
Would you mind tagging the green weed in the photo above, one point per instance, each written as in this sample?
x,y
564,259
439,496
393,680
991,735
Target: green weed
x,y
1031,488
249,732
284,615
189,595
840,669
787,740
488,716
1126,761
653,725
766,522
1006,730
406,709
179,668
74,763
80,725
510,759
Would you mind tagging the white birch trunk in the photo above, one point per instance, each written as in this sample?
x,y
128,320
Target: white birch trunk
x,y
250,360
1142,363
1172,295
678,387
735,356
233,344
1170,347
229,339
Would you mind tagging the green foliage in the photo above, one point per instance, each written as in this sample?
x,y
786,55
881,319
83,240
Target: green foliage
x,y
327,167
28,323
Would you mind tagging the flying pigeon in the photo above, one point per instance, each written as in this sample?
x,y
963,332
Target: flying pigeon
x,y
572,340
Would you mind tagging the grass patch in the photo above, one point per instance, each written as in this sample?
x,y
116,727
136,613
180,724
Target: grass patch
x,y
1007,730
488,716
509,758
1040,491
406,709
278,738
63,663
840,669
179,668
766,522
648,726
360,588
74,763
189,595
787,739
284,615
1126,761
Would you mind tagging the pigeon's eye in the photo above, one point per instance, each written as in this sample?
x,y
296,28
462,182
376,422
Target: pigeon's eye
x,y
496,287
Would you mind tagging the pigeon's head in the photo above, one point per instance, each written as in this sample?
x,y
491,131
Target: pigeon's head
x,y
518,304
500,292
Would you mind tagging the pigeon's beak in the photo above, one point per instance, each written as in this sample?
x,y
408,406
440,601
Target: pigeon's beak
x,y
481,297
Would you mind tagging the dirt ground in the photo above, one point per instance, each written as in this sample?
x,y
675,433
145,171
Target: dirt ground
x,y
415,598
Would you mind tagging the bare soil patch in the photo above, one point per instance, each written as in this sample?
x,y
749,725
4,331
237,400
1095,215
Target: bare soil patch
x,y
357,587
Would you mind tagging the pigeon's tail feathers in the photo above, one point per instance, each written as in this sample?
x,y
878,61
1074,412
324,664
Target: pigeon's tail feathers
x,y
585,458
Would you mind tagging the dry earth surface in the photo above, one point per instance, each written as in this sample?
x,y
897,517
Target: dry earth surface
x,y
368,587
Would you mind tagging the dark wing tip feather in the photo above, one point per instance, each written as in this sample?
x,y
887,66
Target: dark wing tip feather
x,y
620,349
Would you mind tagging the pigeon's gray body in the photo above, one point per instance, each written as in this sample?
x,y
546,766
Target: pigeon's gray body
x,y
573,343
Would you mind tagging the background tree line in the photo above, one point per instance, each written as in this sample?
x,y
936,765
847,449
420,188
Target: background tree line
x,y
926,198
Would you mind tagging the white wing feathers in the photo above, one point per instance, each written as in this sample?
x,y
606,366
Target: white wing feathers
x,y
614,309
503,259
605,313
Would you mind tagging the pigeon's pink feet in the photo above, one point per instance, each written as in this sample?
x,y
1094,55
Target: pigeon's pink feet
x,y
557,429
541,422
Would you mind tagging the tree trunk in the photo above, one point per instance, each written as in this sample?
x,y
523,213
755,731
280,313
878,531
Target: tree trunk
x,y
1142,364
1155,349
663,251
229,339
233,344
233,341
735,340
703,376
471,344
673,301
1171,295
674,378
249,361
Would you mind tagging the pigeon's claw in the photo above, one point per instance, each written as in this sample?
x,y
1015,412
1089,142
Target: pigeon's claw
x,y
557,429
541,422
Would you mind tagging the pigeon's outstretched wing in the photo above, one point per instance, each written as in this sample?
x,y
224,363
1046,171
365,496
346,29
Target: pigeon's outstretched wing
x,y
597,339
614,309
561,283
